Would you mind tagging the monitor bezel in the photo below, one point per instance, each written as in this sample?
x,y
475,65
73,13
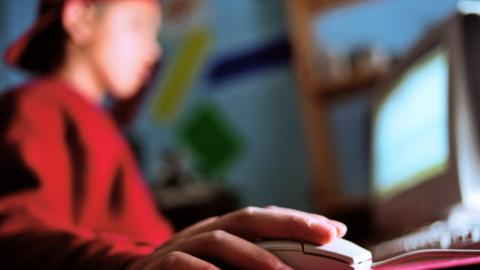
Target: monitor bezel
x,y
410,208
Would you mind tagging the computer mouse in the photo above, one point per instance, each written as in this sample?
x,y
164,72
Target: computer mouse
x,y
340,254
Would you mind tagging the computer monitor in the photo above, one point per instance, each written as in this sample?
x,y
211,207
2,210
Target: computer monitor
x,y
425,158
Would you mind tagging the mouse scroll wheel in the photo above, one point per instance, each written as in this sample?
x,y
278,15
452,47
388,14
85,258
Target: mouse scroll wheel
x,y
303,246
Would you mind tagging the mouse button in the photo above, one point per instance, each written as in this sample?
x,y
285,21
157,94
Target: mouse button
x,y
340,249
303,261
281,245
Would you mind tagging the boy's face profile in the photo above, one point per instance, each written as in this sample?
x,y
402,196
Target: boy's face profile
x,y
121,45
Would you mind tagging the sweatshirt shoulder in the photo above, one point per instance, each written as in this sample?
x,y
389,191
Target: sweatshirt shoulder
x,y
30,105
36,95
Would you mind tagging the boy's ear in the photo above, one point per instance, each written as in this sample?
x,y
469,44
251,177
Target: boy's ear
x,y
78,20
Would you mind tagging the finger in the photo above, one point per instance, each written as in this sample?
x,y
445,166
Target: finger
x,y
340,227
314,221
230,249
197,227
180,261
252,223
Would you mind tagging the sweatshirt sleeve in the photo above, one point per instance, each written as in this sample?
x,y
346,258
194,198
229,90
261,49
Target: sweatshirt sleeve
x,y
26,242
36,206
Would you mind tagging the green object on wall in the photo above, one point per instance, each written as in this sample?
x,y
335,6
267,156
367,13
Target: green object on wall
x,y
211,140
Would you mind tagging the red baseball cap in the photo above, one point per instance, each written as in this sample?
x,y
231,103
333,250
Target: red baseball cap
x,y
48,12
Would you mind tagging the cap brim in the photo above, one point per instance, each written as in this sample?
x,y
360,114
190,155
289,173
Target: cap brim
x,y
16,50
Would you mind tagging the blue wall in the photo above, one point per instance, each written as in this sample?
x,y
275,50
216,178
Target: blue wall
x,y
15,18
260,105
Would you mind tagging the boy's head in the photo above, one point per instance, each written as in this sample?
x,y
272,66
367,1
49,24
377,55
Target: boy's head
x,y
113,42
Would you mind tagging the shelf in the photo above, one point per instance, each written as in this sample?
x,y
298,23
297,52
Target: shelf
x,y
315,92
351,86
318,6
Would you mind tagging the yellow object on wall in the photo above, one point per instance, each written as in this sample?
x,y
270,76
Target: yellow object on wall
x,y
184,68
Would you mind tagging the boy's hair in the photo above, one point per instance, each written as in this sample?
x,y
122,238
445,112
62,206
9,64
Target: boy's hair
x,y
46,51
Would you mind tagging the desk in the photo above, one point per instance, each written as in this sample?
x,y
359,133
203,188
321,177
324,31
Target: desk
x,y
187,204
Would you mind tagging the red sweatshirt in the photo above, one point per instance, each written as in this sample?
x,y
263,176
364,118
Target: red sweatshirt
x,y
71,195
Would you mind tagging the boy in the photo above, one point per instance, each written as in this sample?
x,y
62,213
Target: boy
x,y
71,196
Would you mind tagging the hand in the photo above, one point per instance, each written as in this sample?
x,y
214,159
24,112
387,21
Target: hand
x,y
228,239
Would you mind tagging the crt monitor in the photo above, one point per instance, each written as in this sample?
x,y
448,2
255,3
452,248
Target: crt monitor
x,y
425,159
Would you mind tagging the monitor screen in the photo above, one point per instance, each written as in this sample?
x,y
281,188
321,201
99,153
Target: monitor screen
x,y
411,126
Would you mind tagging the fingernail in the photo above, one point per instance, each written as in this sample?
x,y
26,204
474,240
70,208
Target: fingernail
x,y
343,229
331,230
312,222
282,266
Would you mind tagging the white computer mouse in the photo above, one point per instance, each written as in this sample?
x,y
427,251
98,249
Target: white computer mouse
x,y
340,254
